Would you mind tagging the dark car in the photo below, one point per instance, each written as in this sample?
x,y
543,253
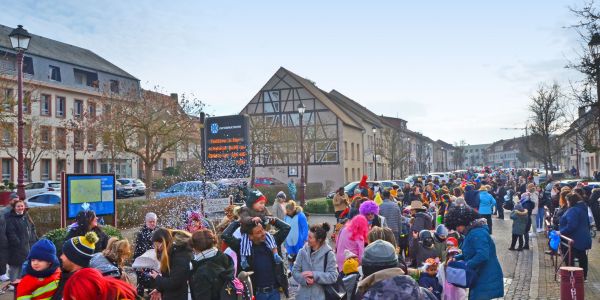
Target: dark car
x,y
350,187
124,191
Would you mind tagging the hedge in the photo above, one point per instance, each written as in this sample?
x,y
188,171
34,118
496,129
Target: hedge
x,y
57,236
319,206
313,190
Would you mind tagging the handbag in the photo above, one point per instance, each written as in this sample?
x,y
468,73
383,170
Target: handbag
x,y
336,290
460,275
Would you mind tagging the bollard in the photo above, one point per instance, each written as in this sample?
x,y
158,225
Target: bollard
x,y
571,283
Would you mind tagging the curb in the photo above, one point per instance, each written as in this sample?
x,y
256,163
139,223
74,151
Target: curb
x,y
535,268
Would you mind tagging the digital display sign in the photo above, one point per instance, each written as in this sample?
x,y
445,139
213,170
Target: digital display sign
x,y
95,191
226,147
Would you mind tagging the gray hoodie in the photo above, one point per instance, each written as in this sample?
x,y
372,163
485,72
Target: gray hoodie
x,y
315,262
100,263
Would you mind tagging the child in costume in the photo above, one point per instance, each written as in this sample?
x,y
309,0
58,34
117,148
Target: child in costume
x,y
428,278
42,272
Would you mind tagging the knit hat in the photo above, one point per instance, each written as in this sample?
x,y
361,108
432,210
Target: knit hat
x,y
453,241
441,231
380,253
255,196
350,265
80,249
44,250
349,254
281,195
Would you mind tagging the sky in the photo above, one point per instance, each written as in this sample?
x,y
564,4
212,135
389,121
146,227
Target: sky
x,y
455,70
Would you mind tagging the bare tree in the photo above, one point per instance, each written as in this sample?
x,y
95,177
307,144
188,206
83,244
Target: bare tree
x,y
459,153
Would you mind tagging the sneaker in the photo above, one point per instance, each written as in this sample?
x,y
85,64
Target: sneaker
x,y
526,248
512,249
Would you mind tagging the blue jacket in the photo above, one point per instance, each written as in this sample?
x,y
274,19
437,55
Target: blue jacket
x,y
472,197
486,202
575,224
479,253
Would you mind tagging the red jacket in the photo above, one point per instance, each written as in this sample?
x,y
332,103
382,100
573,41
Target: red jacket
x,y
35,288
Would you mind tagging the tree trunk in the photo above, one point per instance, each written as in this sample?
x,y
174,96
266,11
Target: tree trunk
x,y
252,175
148,174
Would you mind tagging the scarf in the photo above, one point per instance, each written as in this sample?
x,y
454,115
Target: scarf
x,y
206,254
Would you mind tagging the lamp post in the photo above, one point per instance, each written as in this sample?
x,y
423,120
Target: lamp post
x,y
301,110
19,38
594,46
375,150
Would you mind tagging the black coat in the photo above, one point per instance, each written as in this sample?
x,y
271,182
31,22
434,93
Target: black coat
x,y
3,242
143,241
173,284
209,275
102,237
21,235
234,243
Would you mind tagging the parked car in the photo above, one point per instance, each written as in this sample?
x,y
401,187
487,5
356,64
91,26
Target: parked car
x,y
138,186
267,181
124,191
442,175
413,178
401,183
190,189
350,187
44,199
39,187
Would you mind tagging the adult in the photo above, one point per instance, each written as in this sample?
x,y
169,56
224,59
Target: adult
x,y
292,189
370,210
315,265
3,248
88,283
210,267
378,233
86,221
407,194
575,225
296,239
76,255
358,198
174,254
390,210
534,196
478,252
352,238
529,206
428,195
268,277
143,243
500,193
595,206
486,205
472,196
20,235
421,219
562,207
340,202
278,208
111,261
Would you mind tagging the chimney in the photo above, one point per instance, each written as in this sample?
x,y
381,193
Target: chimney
x,y
581,111
174,96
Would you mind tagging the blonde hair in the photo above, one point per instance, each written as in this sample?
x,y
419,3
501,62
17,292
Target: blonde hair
x,y
384,234
117,251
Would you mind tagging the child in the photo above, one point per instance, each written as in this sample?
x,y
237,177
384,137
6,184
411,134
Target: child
x,y
450,291
255,211
428,278
403,241
519,226
350,273
42,272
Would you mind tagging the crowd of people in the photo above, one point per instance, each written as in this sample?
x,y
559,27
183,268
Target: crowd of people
x,y
411,241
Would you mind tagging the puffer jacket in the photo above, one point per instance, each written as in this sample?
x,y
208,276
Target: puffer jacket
x,y
210,274
575,224
519,225
392,213
422,220
143,241
3,241
102,264
323,274
296,239
21,235
173,284
486,203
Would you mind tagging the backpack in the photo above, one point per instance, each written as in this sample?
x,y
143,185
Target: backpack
x,y
234,289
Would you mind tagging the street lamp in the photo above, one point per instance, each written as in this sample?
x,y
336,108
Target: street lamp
x,y
19,38
375,149
301,110
594,45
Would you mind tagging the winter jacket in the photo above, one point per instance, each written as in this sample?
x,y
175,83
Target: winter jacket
x,y
486,203
277,210
391,281
173,284
440,247
560,211
3,241
234,243
209,275
575,225
38,288
595,206
106,267
422,220
102,237
392,213
340,202
21,235
519,225
143,241
479,253
379,221
472,197
298,232
419,254
344,243
308,260
535,198
431,282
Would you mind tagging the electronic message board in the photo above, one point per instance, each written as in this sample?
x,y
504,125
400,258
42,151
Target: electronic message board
x,y
226,147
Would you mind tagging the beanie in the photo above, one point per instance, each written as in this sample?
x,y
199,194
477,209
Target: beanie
x,y
253,197
380,253
281,195
441,231
350,265
44,250
80,249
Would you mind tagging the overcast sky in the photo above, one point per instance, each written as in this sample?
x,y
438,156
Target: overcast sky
x,y
453,69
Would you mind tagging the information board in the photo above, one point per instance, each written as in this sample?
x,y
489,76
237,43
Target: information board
x,y
89,191
226,147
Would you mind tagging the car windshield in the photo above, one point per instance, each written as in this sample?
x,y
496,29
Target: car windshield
x,y
123,181
54,185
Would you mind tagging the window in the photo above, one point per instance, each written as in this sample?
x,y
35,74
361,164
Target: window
x,y
61,103
91,109
27,102
164,163
358,152
171,162
78,166
86,78
28,65
353,175
346,174
352,150
91,139
46,137
61,166
78,108
8,134
45,105
271,101
7,169
114,86
7,100
54,73
106,109
26,171
46,166
27,135
358,173
78,139
91,166
61,139
346,155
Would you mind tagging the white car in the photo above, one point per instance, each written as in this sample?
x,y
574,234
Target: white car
x,y
441,176
138,186
44,199
38,187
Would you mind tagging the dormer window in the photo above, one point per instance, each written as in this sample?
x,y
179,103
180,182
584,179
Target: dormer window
x,y
54,73
86,78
